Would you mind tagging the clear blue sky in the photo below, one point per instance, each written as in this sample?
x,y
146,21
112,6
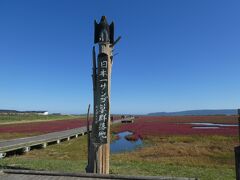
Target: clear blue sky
x,y
174,55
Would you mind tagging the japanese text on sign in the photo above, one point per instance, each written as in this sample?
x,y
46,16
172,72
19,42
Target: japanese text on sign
x,y
103,100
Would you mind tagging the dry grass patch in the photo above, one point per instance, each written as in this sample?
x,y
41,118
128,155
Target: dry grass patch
x,y
204,151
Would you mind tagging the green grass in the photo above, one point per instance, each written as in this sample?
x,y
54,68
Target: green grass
x,y
205,157
14,118
44,164
69,156
160,169
124,168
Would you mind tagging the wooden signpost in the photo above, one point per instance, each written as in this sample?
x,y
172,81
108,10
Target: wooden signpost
x,y
99,150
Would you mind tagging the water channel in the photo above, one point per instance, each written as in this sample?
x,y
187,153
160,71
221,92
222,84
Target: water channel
x,y
123,145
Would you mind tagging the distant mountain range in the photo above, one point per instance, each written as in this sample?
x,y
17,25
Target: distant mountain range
x,y
203,112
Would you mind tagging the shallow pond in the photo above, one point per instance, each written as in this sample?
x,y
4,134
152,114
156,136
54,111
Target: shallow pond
x,y
214,124
202,125
205,127
123,145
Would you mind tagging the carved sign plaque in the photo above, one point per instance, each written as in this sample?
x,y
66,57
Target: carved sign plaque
x,y
102,109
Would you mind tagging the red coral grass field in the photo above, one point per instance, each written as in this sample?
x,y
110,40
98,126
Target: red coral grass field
x,y
147,125
132,137
45,127
42,127
143,126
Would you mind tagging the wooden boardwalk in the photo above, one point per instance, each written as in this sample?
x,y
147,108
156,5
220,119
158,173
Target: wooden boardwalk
x,y
26,144
43,175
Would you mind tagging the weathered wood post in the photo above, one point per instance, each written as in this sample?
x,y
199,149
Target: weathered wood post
x,y
100,136
237,151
